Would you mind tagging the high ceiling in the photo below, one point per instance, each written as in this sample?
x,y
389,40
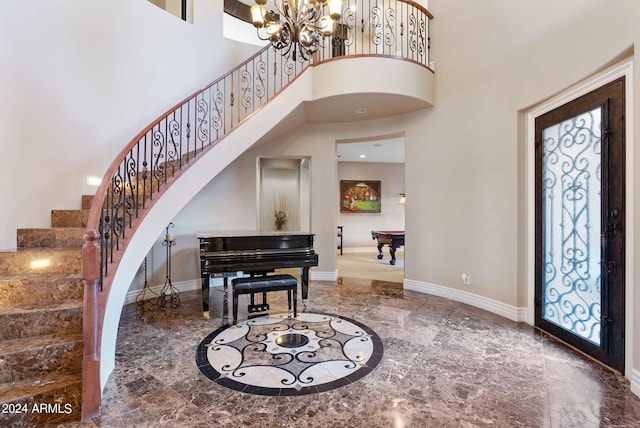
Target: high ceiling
x,y
356,107
390,150
362,106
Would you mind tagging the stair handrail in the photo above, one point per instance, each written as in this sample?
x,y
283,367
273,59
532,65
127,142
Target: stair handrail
x,y
152,160
176,138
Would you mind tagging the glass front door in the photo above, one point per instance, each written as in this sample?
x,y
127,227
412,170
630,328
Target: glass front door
x,y
571,202
580,223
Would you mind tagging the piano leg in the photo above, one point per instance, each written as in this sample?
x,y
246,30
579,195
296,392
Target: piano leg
x,y
225,301
304,279
205,295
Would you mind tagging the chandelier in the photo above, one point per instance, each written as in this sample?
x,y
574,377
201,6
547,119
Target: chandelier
x,y
296,27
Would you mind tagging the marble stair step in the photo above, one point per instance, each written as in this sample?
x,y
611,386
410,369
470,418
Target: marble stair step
x,y
87,200
79,218
69,218
147,186
61,392
40,288
34,357
55,237
40,260
151,184
73,218
22,320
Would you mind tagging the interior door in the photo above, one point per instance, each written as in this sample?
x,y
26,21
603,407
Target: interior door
x,y
580,223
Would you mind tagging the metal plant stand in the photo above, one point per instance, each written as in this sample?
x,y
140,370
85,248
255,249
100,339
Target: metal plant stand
x,y
141,297
169,292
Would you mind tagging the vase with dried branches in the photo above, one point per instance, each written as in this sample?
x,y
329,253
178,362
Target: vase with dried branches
x,y
280,213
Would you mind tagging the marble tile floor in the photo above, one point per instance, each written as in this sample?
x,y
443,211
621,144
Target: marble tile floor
x,y
279,354
445,364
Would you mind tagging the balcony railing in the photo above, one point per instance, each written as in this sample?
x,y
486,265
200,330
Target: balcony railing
x,y
394,28
169,145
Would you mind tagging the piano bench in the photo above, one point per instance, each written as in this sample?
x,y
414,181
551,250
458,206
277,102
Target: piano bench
x,y
264,284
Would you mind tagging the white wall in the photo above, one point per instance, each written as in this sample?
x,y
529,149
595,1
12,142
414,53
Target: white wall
x,y
79,79
462,157
358,226
466,156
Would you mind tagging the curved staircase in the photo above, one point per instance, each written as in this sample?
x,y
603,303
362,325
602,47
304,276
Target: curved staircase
x,y
56,287
41,305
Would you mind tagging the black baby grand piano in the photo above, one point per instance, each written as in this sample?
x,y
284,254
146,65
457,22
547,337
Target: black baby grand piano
x,y
227,253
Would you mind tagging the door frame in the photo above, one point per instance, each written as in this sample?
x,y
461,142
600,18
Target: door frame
x,y
624,69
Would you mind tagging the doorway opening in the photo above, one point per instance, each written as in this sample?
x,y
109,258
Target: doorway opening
x,y
377,165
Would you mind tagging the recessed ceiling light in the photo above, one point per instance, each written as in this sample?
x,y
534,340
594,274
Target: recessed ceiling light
x,y
363,156
361,110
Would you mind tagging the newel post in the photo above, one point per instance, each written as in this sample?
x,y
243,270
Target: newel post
x,y
91,391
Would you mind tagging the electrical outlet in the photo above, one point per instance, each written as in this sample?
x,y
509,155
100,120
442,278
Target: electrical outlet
x,y
465,278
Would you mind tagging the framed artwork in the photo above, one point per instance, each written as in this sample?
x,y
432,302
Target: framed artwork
x,y
360,196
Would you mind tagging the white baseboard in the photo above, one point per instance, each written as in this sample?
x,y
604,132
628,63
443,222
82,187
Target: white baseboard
x,y
193,284
635,382
323,276
196,284
371,249
510,312
499,308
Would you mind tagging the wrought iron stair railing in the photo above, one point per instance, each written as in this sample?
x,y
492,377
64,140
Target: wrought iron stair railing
x,y
173,142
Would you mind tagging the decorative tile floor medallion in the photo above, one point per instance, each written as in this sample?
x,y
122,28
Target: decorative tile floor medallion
x,y
277,355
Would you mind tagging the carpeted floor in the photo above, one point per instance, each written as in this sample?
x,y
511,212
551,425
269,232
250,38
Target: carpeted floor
x,y
363,263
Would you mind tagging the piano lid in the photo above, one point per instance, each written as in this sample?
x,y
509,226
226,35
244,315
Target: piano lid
x,y
237,233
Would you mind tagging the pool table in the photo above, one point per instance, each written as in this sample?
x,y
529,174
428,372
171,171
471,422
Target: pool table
x,y
393,239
